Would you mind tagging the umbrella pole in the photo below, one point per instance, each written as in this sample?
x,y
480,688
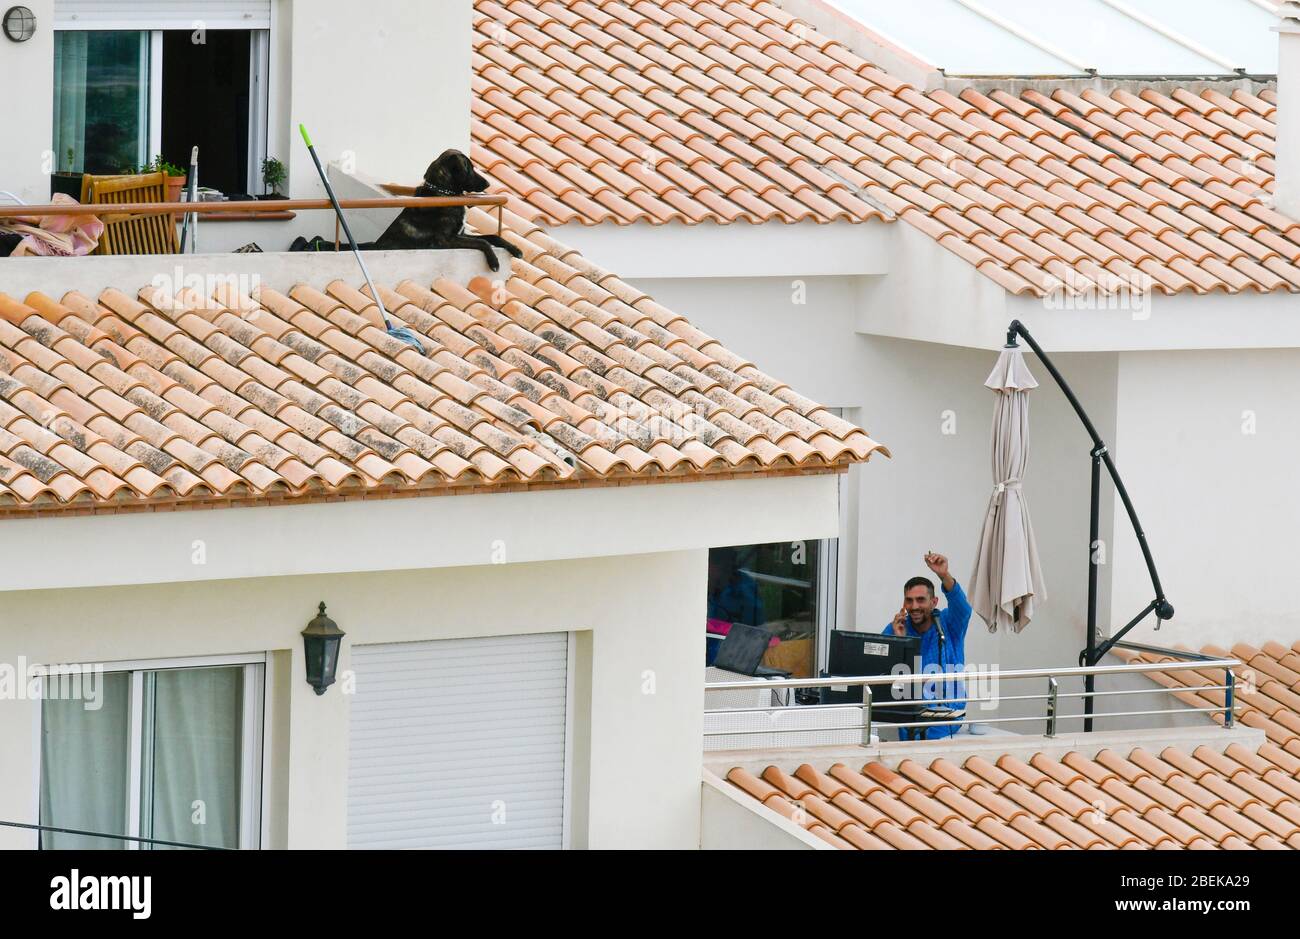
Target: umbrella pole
x,y
1093,535
1100,454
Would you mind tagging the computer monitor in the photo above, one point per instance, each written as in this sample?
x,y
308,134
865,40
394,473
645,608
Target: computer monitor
x,y
861,653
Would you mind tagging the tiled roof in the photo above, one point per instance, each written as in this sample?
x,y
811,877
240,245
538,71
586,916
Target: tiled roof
x,y
1173,799
1205,799
632,110
647,111
1267,690
563,376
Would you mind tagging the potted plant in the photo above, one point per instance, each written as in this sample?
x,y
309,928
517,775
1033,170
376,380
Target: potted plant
x,y
175,175
67,182
273,177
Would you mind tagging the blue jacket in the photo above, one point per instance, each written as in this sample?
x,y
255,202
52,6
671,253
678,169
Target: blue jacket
x,y
954,619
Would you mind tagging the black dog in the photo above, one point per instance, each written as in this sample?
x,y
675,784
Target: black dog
x,y
452,174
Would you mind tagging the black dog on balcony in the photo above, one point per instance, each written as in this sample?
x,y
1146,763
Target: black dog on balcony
x,y
452,174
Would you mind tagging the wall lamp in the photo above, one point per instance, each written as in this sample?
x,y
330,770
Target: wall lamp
x,y
19,24
321,640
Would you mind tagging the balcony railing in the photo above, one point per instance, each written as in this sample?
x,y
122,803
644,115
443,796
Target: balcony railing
x,y
1052,697
109,211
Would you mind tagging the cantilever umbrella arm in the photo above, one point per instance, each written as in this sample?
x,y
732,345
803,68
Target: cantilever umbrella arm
x,y
1100,456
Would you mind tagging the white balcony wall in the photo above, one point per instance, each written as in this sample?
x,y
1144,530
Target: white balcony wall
x,y
27,74
1211,445
637,710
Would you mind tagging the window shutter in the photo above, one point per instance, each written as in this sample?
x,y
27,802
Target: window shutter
x,y
162,14
459,743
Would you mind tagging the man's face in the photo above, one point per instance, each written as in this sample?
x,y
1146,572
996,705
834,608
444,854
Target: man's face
x,y
919,603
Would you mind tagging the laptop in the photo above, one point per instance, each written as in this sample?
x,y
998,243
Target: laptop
x,y
742,651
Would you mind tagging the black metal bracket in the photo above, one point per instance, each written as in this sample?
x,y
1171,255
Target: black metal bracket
x,y
1100,455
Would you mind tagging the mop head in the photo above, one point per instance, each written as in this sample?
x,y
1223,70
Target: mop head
x,y
406,335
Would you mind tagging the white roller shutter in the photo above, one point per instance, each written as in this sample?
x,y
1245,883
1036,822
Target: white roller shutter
x,y
459,743
162,14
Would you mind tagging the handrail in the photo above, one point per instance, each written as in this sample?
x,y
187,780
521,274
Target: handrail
x,y
109,210
1161,650
1070,671
260,205
934,719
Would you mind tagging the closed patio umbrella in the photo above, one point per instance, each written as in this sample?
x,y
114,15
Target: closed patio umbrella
x,y
1007,581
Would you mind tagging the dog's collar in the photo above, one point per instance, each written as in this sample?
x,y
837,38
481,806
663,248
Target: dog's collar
x,y
441,192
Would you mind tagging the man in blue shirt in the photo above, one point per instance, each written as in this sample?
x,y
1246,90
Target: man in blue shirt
x,y
919,617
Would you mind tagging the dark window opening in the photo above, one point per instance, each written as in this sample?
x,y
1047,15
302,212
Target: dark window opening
x,y
205,104
773,586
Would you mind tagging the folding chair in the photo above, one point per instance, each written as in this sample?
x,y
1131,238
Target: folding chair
x,y
127,233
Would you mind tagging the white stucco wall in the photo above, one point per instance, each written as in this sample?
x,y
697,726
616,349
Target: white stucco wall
x,y
730,820
27,75
1218,504
934,492
623,566
1287,196
383,87
643,613
1210,445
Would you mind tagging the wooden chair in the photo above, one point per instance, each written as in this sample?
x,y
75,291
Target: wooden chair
x,y
132,234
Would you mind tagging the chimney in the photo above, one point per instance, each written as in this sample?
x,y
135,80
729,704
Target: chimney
x,y
1287,156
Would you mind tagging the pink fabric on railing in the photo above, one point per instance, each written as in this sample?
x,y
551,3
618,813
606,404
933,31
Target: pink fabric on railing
x,y
720,627
55,235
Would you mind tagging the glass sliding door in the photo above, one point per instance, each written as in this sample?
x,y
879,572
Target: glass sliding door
x,y
191,770
172,753
774,586
85,763
101,100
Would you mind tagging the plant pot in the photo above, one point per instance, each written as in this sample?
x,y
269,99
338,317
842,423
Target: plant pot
x,y
271,195
67,183
175,184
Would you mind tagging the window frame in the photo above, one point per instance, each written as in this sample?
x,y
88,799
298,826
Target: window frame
x,y
253,762
259,98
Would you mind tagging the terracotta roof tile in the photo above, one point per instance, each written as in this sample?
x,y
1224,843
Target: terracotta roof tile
x,y
930,812
1267,690
629,112
1204,799
564,375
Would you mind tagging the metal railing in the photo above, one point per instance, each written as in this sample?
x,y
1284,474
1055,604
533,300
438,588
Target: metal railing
x,y
109,211
1052,697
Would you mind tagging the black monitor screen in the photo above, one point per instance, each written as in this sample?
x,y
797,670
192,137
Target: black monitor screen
x,y
858,653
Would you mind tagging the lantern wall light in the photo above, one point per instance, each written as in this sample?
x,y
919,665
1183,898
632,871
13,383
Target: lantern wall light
x,y
321,640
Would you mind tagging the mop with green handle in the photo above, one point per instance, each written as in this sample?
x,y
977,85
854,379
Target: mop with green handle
x,y
404,333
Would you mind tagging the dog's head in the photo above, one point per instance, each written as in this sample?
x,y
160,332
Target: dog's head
x,y
453,172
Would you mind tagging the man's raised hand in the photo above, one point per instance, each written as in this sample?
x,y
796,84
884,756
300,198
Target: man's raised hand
x,y
939,564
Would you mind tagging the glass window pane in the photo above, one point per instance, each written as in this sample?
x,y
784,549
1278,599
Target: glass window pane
x,y
85,752
191,787
101,100
769,585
